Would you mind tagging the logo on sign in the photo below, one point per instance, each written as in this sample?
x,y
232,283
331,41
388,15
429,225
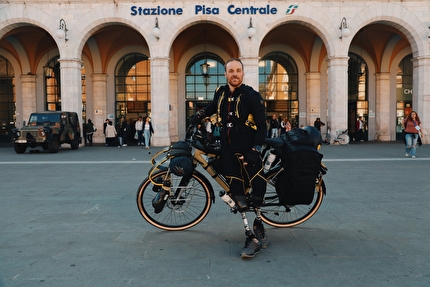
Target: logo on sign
x,y
291,9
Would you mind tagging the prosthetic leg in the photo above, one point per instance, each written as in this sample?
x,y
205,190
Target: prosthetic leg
x,y
252,245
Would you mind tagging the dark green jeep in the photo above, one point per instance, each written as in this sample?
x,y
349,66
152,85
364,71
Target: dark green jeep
x,y
48,130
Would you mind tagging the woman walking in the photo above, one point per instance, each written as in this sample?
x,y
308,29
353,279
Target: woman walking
x,y
412,128
147,131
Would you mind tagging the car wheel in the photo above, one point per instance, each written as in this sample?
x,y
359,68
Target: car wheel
x,y
54,145
74,144
20,148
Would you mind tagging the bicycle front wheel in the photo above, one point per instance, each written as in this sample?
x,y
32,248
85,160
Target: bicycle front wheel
x,y
343,139
187,205
278,215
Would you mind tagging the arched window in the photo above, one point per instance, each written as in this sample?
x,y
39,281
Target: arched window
x,y
278,85
404,78
358,103
133,87
7,100
200,85
52,85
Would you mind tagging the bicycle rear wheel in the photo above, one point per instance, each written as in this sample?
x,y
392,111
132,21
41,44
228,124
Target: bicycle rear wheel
x,y
187,205
275,214
343,139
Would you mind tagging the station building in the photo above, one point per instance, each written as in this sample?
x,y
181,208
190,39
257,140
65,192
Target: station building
x,y
335,60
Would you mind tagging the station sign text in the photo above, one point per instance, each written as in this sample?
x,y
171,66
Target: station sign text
x,y
204,10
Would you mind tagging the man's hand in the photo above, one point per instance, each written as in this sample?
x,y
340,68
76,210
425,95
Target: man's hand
x,y
251,157
197,118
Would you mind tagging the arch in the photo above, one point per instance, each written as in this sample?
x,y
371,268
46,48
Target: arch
x,y
34,16
93,20
388,13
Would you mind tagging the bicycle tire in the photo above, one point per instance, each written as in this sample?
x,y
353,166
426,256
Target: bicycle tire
x,y
281,216
193,206
343,139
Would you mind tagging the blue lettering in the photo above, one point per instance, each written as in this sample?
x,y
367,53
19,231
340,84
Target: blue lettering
x,y
252,10
205,10
133,11
155,11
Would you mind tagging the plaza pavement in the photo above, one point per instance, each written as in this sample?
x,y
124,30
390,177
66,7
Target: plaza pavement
x,y
70,219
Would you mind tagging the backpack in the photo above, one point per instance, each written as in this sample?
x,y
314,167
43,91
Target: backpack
x,y
301,162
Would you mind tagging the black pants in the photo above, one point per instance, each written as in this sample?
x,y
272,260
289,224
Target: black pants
x,y
239,177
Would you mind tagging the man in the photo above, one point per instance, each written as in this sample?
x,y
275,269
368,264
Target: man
x,y
122,132
274,125
105,124
359,127
318,124
243,118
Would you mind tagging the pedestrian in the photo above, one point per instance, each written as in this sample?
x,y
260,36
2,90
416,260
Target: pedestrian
x,y
110,134
241,142
274,125
412,129
90,129
139,129
105,124
123,129
208,129
318,124
285,126
359,129
217,132
147,131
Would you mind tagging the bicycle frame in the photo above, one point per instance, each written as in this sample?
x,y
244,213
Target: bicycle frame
x,y
176,202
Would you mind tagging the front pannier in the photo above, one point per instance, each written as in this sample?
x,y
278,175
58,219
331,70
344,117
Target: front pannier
x,y
301,162
181,163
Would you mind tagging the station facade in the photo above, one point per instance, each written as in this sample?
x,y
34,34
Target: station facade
x,y
335,60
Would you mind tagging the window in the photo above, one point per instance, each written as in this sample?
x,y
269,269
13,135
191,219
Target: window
x,y
278,85
133,86
199,88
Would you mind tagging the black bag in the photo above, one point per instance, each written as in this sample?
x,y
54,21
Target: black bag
x,y
181,162
301,162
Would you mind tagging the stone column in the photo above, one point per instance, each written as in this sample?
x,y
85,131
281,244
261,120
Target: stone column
x,y
99,87
384,102
28,97
71,89
174,114
313,96
160,101
337,93
421,93
250,67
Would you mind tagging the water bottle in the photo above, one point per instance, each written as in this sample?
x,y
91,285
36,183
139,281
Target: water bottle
x,y
270,158
227,199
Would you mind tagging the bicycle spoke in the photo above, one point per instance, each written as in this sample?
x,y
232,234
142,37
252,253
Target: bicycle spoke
x,y
181,211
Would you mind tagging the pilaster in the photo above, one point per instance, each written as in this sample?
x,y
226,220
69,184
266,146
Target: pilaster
x,y
384,102
99,113
337,93
313,96
160,97
28,87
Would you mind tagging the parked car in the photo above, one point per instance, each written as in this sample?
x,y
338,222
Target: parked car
x,y
48,130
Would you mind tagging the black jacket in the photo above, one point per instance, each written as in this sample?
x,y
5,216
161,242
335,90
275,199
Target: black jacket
x,y
235,134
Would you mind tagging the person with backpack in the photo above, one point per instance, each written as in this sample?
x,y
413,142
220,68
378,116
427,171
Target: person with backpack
x,y
243,120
